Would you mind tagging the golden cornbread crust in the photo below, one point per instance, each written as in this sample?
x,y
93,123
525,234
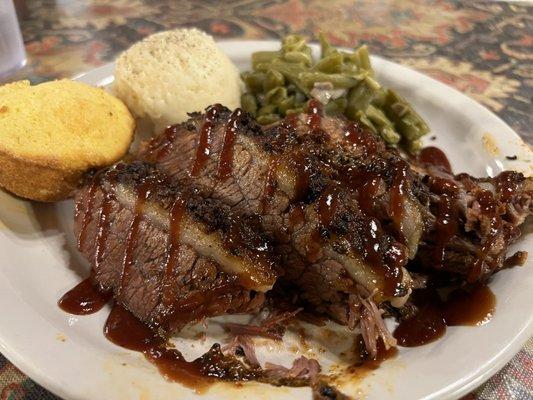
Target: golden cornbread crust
x,y
52,133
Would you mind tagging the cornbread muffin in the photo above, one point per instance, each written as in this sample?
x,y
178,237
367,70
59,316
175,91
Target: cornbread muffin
x,y
169,74
50,134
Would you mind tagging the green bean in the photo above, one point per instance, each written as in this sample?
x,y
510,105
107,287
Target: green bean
x,y
336,107
249,103
377,116
296,110
389,135
267,109
272,80
290,72
261,57
408,122
329,64
361,117
254,81
268,119
359,97
281,83
372,83
298,57
276,95
413,146
325,47
410,128
293,42
379,98
383,125
363,58
339,81
285,105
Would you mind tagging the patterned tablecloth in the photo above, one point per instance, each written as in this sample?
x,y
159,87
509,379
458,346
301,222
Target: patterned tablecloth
x,y
483,48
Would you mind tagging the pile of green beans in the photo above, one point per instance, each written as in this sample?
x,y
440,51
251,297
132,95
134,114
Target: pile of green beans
x,y
282,82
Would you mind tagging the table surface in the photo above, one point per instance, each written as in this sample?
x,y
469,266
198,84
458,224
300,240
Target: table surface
x,y
482,48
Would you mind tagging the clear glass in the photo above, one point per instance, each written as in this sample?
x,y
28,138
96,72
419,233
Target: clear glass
x,y
12,53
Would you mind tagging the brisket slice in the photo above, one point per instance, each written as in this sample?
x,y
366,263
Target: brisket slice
x,y
170,256
333,251
468,223
483,218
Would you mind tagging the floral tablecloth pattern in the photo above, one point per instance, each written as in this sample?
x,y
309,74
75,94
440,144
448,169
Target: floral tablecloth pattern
x,y
482,48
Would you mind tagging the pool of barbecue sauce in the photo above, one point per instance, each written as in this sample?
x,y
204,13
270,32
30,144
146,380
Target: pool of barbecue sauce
x,y
125,330
85,298
462,308
435,157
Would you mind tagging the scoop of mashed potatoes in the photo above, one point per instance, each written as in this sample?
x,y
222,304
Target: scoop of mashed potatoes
x,y
169,74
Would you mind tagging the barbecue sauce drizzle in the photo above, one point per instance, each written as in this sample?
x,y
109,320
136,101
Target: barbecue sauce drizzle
x,y
327,205
360,138
365,185
397,194
297,162
447,215
86,297
203,149
143,191
315,112
226,154
169,136
173,247
270,184
87,214
489,206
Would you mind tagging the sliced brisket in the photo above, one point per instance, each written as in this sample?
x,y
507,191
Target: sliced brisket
x,y
330,192
328,241
170,256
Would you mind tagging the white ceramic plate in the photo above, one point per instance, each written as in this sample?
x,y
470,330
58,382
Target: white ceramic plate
x,y
70,356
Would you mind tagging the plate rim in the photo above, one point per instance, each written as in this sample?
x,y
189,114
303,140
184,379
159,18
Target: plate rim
x,y
455,390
